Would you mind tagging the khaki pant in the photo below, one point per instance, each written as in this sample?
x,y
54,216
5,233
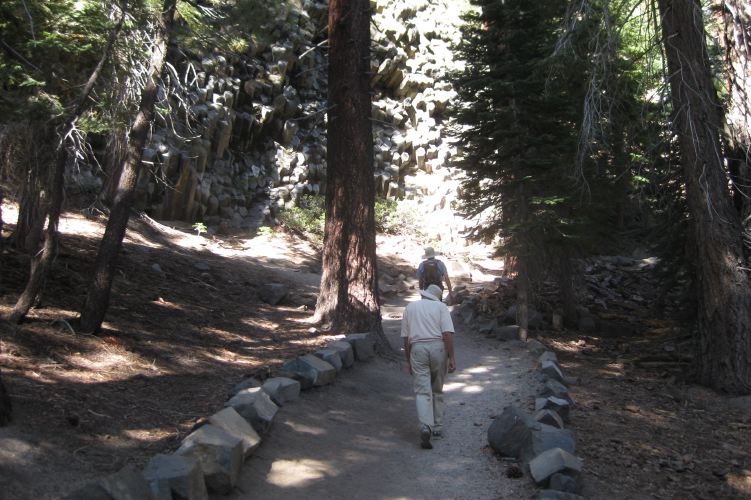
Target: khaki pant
x,y
429,366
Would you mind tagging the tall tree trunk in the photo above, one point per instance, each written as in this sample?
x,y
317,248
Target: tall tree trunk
x,y
2,241
348,299
723,287
566,291
98,295
34,197
522,266
42,260
736,20
6,409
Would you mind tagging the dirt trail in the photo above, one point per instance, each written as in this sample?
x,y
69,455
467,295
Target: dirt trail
x,y
358,437
180,336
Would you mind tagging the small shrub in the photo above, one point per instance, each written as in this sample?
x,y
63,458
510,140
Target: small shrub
x,y
398,218
307,218
200,227
391,217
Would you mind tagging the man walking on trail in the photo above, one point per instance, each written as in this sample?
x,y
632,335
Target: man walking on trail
x,y
432,271
428,334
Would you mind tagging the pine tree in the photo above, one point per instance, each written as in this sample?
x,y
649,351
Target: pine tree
x,y
520,130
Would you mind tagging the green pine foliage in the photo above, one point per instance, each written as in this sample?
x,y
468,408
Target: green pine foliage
x,y
519,128
563,127
46,51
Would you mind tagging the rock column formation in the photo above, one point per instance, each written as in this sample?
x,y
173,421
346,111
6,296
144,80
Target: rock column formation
x,y
251,138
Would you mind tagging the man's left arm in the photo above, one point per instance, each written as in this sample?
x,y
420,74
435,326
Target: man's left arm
x,y
405,335
448,342
407,353
447,333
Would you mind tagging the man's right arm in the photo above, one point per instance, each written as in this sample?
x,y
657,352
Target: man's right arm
x,y
445,276
407,353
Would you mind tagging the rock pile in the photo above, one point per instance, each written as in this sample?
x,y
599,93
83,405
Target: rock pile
x,y
613,288
541,440
210,458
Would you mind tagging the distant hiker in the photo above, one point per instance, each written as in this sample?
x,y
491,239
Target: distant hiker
x,y
432,271
428,334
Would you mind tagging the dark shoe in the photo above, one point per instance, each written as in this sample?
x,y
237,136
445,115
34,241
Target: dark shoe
x,y
425,438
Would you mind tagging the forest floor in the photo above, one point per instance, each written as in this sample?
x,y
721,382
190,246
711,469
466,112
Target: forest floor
x,y
185,324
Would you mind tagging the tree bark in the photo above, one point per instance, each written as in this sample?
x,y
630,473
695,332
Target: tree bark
x,y
566,290
348,299
42,260
34,200
723,287
736,39
522,266
6,408
98,295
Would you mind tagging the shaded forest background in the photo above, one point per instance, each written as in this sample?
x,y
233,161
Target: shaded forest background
x,y
582,128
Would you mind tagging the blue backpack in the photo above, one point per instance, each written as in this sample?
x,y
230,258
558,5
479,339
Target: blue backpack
x,y
431,274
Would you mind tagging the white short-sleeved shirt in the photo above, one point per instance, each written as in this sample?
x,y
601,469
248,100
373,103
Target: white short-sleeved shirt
x,y
425,320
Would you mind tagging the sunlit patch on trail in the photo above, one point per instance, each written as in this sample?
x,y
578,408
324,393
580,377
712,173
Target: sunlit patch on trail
x,y
298,473
459,387
306,429
478,369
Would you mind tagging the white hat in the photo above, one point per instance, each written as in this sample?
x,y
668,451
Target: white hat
x,y
429,253
433,292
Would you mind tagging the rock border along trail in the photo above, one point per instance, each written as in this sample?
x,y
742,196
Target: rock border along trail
x,y
357,438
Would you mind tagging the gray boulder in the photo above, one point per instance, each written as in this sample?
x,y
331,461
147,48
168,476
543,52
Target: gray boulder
x,y
301,372
168,474
282,389
255,406
510,432
558,495
560,406
219,454
550,462
90,491
546,438
487,327
562,482
127,484
508,332
534,320
547,356
331,356
549,417
363,344
273,293
309,371
235,425
246,383
552,370
536,347
345,351
555,388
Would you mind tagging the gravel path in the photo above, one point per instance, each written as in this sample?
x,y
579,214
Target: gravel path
x,y
358,437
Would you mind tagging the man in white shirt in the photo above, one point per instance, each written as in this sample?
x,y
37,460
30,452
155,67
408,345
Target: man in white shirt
x,y
428,332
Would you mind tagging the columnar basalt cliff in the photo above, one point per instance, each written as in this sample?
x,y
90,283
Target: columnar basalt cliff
x,y
252,136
